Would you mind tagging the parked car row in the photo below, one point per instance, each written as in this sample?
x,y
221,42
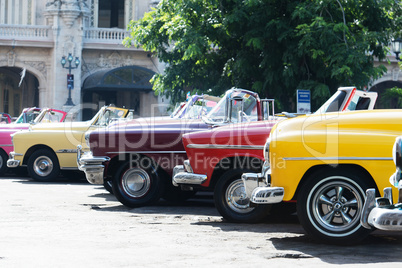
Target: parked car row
x,y
238,148
218,158
137,158
142,172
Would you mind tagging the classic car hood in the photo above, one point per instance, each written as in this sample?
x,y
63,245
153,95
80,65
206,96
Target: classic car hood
x,y
61,126
145,135
366,120
346,134
252,133
157,123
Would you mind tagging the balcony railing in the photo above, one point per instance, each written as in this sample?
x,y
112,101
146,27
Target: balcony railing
x,y
96,38
105,35
26,32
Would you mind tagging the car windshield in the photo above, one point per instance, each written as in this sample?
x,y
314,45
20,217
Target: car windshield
x,y
27,116
233,104
184,109
197,107
358,103
200,108
334,103
177,109
109,114
49,116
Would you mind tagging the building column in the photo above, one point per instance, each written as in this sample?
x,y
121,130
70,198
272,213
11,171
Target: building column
x,y
42,97
68,21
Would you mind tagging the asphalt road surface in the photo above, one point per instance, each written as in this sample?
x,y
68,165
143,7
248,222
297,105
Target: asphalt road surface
x,y
74,224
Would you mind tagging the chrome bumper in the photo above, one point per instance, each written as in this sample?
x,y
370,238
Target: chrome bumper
x,y
258,189
380,213
91,165
11,162
183,174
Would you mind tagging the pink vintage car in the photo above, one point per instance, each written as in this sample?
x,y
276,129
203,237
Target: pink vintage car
x,y
28,116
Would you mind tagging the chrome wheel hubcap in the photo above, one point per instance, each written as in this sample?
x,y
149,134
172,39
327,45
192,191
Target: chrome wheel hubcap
x,y
43,166
236,197
336,206
136,182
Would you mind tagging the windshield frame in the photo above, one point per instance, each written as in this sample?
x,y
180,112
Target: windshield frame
x,y
22,118
226,102
99,115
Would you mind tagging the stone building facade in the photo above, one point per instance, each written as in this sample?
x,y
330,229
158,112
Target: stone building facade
x,y
36,34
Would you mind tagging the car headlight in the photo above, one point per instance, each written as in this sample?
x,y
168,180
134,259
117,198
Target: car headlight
x,y
397,153
266,149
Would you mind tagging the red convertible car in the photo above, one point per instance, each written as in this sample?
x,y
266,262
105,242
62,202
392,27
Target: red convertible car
x,y
217,158
138,157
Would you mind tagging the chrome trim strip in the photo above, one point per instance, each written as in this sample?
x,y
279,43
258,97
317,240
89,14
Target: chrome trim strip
x,y
6,145
68,151
69,168
217,146
147,152
337,158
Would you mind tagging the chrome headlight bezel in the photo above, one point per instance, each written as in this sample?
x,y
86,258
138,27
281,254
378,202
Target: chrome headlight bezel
x,y
397,158
397,153
266,150
86,136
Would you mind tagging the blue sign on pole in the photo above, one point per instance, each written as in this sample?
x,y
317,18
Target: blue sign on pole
x,y
303,101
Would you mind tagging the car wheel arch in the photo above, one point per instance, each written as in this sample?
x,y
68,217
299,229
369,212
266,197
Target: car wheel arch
x,y
34,148
320,168
219,170
118,160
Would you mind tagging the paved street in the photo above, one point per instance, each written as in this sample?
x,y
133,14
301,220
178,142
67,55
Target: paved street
x,y
75,224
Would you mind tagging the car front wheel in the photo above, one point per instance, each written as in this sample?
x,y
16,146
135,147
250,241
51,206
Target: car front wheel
x,y
43,166
137,184
329,206
231,200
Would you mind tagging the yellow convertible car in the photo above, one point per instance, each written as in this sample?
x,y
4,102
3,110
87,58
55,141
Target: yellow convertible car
x,y
325,163
48,148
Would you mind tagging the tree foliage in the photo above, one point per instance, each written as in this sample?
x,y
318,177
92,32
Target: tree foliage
x,y
270,46
392,98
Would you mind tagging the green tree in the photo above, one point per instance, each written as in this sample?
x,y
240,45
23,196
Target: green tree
x,y
392,98
270,46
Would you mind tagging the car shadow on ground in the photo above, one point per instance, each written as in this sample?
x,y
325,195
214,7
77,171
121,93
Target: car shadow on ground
x,y
64,177
284,232
202,207
201,204
374,249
